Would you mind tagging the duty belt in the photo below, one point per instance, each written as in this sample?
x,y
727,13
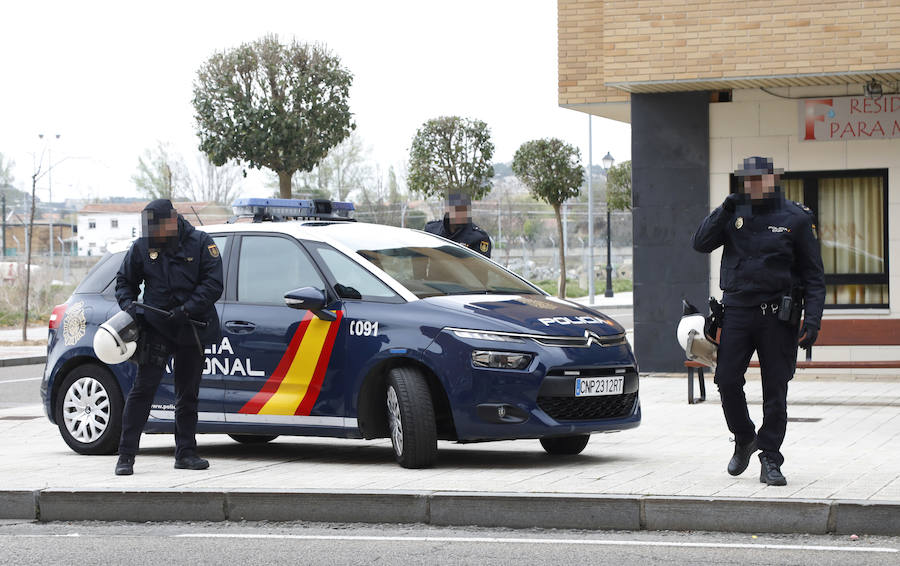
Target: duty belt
x,y
770,307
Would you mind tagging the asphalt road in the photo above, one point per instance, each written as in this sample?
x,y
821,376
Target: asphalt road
x,y
309,543
20,385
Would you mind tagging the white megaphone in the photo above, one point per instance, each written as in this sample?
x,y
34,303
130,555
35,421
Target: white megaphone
x,y
692,338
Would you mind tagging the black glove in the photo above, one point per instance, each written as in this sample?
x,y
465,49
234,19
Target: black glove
x,y
178,315
730,202
808,335
131,309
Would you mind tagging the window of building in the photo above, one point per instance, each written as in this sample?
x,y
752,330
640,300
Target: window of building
x,y
114,223
851,221
92,224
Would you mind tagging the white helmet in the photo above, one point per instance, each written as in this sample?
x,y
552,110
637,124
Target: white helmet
x,y
116,339
693,340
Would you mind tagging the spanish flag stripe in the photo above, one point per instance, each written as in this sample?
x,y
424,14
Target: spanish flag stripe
x,y
253,406
315,386
295,384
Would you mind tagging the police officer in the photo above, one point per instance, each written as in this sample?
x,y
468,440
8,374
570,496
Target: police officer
x,y
181,270
457,225
770,248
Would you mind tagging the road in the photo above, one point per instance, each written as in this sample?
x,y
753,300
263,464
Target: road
x,y
311,543
20,385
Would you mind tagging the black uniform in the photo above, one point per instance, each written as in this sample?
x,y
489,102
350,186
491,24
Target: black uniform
x,y
468,235
185,272
769,249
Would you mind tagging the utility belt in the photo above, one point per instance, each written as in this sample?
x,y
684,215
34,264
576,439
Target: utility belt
x,y
789,309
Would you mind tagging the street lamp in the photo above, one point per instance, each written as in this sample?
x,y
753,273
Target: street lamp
x,y
608,162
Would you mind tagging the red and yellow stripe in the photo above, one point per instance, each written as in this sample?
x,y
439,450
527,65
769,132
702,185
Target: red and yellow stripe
x,y
294,386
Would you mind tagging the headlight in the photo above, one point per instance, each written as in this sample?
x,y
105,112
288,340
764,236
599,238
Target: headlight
x,y
501,360
487,335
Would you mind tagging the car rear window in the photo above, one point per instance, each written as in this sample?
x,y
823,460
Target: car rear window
x,y
102,274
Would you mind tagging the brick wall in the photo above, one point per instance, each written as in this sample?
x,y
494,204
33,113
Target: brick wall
x,y
612,41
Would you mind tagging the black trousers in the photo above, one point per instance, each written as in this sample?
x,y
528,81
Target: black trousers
x,y
745,329
188,371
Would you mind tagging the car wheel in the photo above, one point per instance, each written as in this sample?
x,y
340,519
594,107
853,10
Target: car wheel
x,y
411,418
89,410
565,445
253,438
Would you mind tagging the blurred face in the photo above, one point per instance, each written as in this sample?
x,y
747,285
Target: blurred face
x,y
760,187
459,214
167,227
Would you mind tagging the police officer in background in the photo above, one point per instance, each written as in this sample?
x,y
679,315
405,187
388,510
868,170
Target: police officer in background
x,y
457,225
181,270
771,251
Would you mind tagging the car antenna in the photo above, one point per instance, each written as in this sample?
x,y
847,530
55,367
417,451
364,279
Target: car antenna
x,y
197,215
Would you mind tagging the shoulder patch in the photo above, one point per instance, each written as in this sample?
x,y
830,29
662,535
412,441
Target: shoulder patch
x,y
802,207
213,250
484,246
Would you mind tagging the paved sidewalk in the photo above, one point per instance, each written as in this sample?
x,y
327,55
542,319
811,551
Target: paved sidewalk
x,y
841,455
13,352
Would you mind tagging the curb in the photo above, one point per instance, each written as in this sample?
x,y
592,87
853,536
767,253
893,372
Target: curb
x,y
484,509
26,361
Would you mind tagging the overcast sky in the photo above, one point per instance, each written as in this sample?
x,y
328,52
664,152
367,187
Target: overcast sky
x,y
113,78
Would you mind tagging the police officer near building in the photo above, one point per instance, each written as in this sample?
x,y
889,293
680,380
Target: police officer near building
x,y
771,265
181,270
457,225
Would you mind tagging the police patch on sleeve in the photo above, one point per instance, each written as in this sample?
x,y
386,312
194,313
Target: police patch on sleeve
x,y
213,250
815,235
484,246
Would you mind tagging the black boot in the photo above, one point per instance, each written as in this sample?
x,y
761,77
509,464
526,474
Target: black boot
x,y
125,465
770,472
191,462
741,458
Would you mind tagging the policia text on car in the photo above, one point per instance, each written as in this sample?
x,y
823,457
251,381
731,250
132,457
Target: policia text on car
x,y
771,262
181,271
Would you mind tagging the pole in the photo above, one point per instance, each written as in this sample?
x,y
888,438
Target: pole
x,y
590,215
609,290
3,204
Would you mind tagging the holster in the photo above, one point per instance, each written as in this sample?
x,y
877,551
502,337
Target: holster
x,y
713,320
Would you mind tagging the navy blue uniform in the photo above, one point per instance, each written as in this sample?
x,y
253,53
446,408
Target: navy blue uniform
x,y
468,235
185,273
768,249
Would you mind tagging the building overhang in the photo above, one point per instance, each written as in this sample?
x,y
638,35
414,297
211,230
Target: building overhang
x,y
888,78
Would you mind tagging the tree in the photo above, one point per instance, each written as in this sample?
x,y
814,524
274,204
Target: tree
x,y
160,174
6,174
209,183
344,169
618,186
451,155
552,171
271,105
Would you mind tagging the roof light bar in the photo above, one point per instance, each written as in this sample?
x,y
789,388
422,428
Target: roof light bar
x,y
283,209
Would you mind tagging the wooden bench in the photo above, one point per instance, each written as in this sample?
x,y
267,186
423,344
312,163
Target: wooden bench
x,y
834,332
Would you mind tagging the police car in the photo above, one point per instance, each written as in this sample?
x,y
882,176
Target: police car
x,y
337,328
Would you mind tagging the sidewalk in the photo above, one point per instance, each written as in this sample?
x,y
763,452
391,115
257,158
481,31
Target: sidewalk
x,y
14,353
842,465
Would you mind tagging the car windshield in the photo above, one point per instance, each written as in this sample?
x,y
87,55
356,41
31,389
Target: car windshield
x,y
429,266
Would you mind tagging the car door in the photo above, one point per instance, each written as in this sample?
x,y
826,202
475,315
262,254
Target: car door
x,y
212,385
275,358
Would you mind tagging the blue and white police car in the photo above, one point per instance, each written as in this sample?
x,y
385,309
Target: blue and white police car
x,y
345,329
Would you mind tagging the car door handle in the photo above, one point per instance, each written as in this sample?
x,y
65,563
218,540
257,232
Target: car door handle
x,y
240,327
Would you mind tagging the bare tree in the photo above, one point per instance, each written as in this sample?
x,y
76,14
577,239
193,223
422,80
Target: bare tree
x,y
161,173
209,183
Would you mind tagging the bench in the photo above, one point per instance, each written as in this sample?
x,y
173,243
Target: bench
x,y
834,332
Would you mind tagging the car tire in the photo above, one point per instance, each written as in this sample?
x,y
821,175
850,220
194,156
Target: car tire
x,y
88,410
253,438
565,445
411,421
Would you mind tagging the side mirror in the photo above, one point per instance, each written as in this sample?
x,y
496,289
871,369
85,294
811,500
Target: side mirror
x,y
311,299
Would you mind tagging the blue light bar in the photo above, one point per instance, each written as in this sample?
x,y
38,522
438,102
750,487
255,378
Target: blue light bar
x,y
291,208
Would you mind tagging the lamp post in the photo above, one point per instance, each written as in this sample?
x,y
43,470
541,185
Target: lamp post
x,y
590,270
608,162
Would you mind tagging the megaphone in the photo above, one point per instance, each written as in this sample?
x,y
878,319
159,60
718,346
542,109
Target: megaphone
x,y
692,338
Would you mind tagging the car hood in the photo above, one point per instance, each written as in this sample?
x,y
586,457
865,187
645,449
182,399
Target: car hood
x,y
531,314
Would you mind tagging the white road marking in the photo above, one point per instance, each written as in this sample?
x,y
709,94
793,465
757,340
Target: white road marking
x,y
495,540
20,380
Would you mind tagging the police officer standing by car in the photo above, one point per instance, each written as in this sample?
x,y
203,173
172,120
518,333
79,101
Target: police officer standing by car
x,y
771,265
181,270
457,225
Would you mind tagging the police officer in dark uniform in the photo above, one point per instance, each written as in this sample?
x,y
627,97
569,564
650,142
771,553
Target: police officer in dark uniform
x,y
181,270
771,251
457,225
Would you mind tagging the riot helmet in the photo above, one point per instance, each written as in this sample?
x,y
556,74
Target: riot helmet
x,y
116,339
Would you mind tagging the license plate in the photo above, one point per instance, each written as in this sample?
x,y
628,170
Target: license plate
x,y
594,386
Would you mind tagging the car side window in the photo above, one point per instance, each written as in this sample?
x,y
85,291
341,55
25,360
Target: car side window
x,y
353,281
220,242
270,266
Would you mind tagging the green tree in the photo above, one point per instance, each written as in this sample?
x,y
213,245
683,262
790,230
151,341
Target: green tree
x,y
552,171
451,155
618,186
277,106
160,173
6,174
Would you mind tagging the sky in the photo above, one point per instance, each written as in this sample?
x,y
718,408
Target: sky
x,y
113,79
